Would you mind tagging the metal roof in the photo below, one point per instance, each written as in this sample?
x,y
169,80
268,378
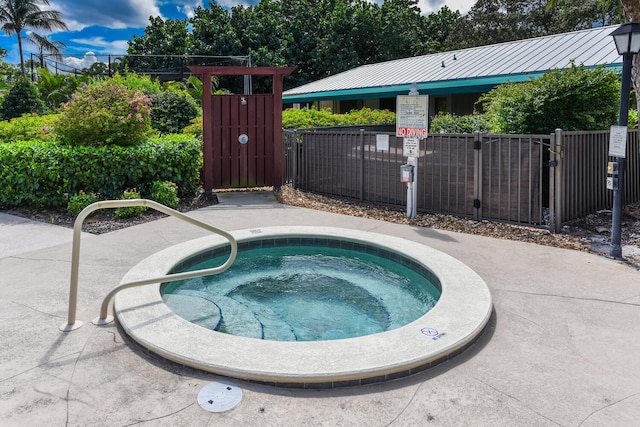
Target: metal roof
x,y
476,69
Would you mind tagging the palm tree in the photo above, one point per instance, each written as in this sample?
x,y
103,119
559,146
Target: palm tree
x,y
18,15
45,45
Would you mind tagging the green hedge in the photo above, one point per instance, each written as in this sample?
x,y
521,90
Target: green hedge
x,y
45,174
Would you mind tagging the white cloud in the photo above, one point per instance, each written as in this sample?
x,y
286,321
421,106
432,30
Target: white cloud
x,y
186,7
111,46
432,6
113,14
86,61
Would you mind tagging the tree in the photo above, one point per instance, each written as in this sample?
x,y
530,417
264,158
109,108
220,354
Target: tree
x,y
162,45
45,45
630,13
497,21
573,99
23,97
19,15
318,37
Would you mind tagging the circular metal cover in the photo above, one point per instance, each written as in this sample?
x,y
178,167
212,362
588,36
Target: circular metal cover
x,y
219,396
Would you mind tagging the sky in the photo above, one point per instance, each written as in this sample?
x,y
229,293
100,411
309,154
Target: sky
x,y
99,27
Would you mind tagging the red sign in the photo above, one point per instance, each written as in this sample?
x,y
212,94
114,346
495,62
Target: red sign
x,y
411,132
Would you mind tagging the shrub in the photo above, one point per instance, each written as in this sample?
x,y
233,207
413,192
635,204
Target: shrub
x,y
311,118
28,127
129,211
80,201
106,113
307,118
140,82
576,98
23,97
39,174
633,119
165,193
450,123
367,116
171,112
195,128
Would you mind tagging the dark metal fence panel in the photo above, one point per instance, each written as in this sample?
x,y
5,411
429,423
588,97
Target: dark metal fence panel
x,y
381,171
584,173
512,171
445,174
481,176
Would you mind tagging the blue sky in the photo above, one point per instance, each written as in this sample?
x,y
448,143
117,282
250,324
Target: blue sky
x,y
104,26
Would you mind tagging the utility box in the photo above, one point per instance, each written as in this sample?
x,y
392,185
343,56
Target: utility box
x,y
406,173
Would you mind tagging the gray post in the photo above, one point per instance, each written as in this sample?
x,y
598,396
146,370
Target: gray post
x,y
555,183
361,189
618,192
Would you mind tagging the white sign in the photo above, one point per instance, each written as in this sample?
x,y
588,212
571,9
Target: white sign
x,y
382,142
412,118
411,147
618,141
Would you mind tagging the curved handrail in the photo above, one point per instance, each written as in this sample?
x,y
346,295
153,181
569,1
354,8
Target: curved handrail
x,y
72,323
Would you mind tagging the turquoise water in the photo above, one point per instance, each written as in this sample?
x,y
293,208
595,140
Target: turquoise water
x,y
303,293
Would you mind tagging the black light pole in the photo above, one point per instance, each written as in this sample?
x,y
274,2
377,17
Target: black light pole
x,y
627,39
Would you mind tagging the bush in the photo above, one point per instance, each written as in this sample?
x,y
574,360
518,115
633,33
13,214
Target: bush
x,y
367,116
80,201
450,123
140,82
28,127
576,98
307,118
633,119
195,128
129,211
106,113
311,118
165,193
171,112
23,97
39,174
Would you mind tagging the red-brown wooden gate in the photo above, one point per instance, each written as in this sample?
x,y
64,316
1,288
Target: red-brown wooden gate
x,y
243,154
242,134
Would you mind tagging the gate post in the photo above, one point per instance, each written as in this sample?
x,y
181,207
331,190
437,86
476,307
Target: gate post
x,y
477,176
555,182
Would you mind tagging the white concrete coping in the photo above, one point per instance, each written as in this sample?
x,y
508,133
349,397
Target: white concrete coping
x,y
457,319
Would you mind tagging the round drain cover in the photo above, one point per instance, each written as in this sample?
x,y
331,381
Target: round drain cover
x,y
219,396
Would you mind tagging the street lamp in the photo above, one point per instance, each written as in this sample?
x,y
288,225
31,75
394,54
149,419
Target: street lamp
x,y
627,39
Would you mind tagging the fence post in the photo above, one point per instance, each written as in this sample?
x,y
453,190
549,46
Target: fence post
x,y
361,165
293,143
555,182
477,176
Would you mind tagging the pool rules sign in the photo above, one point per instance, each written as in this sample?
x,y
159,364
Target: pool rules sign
x,y
412,119
412,122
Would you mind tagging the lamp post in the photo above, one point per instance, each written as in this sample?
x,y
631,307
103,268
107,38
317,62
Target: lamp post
x,y
627,39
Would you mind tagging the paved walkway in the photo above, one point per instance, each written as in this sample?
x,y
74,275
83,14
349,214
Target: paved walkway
x,y
561,348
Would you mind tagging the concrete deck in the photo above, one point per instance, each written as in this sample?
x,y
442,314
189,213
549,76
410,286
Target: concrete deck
x,y
561,347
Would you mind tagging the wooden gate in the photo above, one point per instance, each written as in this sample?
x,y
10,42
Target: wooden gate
x,y
242,134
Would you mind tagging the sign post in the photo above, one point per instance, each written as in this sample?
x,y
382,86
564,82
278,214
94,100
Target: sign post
x,y
412,122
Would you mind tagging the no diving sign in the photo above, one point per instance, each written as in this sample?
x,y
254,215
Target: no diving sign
x,y
431,333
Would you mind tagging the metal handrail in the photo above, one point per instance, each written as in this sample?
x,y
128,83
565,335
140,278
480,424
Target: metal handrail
x,y
104,319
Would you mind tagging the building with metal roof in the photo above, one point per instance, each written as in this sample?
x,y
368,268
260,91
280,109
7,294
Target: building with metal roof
x,y
456,79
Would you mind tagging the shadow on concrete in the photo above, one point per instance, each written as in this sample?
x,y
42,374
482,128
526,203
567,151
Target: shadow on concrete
x,y
483,339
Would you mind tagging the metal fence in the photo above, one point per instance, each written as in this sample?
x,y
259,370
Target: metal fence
x,y
581,172
538,180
